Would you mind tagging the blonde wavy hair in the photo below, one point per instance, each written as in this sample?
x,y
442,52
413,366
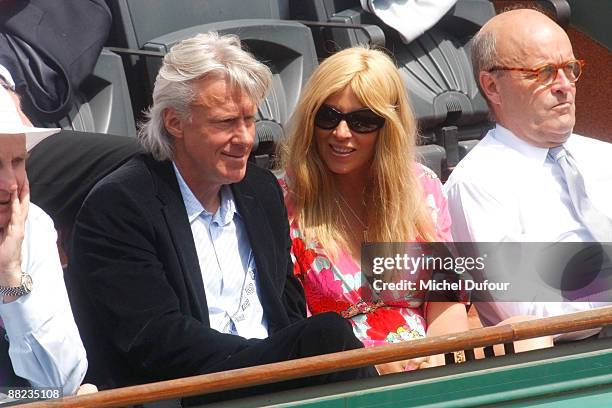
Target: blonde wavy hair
x,y
394,197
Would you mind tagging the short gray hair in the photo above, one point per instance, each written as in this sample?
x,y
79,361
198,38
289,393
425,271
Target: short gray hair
x,y
188,61
484,54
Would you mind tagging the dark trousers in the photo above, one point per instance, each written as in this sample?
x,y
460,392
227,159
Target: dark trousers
x,y
320,334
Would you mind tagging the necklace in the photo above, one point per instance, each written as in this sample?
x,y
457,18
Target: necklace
x,y
354,214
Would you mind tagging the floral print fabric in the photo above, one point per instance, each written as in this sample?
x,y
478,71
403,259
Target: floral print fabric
x,y
337,286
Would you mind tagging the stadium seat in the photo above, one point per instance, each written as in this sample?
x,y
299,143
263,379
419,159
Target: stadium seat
x,y
137,22
102,103
285,46
432,156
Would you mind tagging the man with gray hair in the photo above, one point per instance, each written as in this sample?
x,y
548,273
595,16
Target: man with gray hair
x,y
531,179
180,262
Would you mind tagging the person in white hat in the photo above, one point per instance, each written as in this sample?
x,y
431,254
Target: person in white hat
x,y
40,346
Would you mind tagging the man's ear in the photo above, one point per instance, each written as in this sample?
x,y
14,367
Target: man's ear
x,y
490,87
173,123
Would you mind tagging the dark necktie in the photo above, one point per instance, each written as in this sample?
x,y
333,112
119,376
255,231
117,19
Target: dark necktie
x,y
598,224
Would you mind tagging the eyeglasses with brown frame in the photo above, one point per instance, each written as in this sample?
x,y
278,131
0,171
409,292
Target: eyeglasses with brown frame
x,y
547,73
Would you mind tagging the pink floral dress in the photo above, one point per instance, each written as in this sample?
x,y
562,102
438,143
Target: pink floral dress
x,y
338,287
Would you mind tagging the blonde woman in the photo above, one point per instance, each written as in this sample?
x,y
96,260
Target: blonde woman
x,y
351,177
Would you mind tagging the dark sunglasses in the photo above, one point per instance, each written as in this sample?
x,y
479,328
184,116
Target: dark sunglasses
x,y
360,121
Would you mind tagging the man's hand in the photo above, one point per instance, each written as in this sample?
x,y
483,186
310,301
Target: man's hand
x,y
86,389
11,238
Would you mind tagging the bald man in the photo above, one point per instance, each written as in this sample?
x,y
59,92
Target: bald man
x,y
512,186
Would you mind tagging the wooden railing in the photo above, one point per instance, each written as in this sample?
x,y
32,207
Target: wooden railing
x,y
271,373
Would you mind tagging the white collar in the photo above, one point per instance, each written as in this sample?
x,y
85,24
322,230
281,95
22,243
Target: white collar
x,y
227,208
534,154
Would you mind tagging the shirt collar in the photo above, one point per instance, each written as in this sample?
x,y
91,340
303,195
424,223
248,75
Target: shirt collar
x,y
532,153
6,75
225,213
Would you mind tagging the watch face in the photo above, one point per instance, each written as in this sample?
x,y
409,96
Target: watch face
x,y
27,282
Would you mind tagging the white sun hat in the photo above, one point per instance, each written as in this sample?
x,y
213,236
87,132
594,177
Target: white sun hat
x,y
11,122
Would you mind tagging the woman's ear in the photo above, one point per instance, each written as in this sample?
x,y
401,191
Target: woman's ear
x,y
173,123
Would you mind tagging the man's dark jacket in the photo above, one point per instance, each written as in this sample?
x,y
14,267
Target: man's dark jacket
x,y
50,47
135,280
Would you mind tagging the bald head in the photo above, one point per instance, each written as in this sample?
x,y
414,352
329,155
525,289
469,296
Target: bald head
x,y
507,37
522,32
505,54
514,21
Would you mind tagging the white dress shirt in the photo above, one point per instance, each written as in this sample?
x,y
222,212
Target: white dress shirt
x,y
227,265
410,18
44,343
508,190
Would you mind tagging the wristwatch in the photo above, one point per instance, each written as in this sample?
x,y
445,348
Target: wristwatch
x,y
23,289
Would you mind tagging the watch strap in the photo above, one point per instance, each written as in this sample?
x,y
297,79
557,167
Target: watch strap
x,y
21,290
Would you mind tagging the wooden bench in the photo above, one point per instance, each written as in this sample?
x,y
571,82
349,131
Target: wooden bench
x,y
270,373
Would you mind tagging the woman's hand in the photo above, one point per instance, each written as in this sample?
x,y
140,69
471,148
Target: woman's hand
x,y
412,364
